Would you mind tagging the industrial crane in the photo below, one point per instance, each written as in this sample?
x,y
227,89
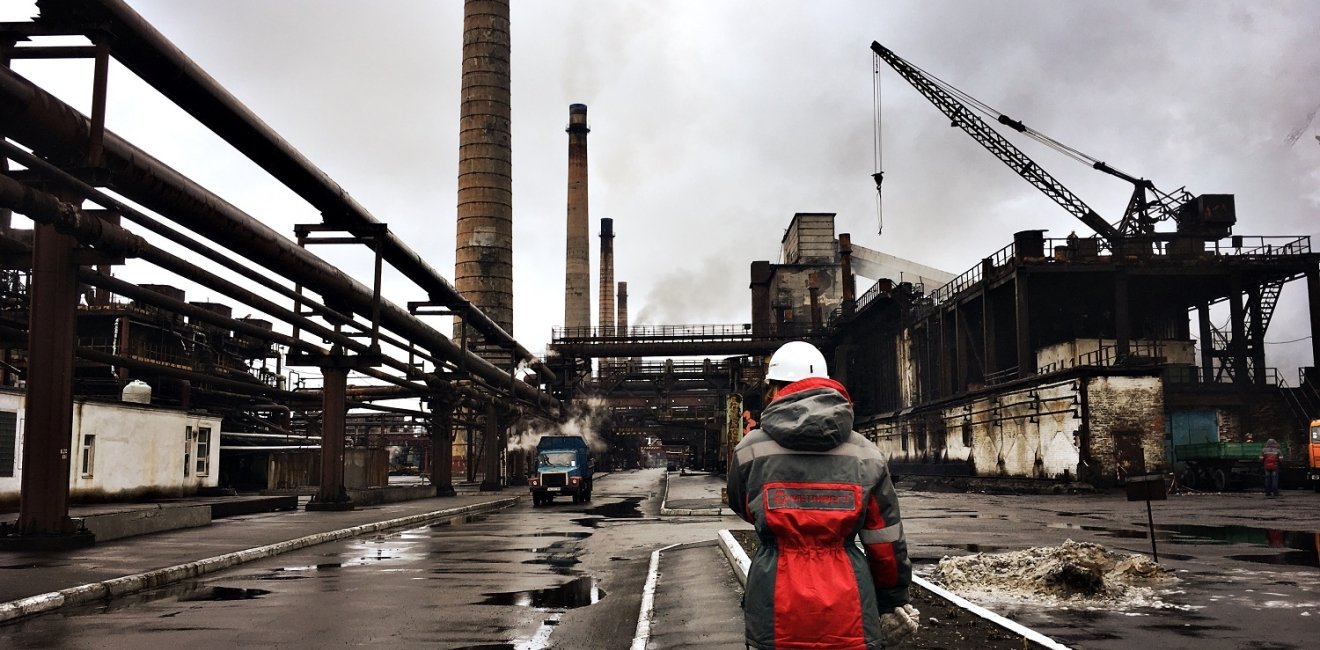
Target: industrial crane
x,y
1205,217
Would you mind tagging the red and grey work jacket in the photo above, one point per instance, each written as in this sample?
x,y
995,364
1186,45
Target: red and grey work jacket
x,y
813,487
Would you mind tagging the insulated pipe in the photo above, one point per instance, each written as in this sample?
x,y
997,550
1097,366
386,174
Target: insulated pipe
x,y
127,212
55,130
87,229
145,51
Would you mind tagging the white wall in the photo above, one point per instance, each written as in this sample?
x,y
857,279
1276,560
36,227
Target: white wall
x,y
137,449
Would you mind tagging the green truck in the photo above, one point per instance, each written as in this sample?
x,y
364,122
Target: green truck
x,y
1218,466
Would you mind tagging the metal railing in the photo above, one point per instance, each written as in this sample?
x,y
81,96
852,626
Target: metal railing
x,y
678,333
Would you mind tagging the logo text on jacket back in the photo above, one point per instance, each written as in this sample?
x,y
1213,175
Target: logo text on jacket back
x,y
810,499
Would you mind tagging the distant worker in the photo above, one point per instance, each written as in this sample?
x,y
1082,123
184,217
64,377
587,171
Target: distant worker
x,y
812,487
1269,461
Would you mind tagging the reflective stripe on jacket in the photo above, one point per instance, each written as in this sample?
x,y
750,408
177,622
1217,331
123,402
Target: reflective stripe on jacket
x,y
813,487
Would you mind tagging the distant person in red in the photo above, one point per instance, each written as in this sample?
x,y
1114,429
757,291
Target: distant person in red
x,y
813,487
1269,461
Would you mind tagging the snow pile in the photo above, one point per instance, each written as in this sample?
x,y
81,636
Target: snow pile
x,y
1077,574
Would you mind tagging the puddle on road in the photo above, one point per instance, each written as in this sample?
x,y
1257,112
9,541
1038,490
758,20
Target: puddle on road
x,y
628,508
577,593
223,593
459,521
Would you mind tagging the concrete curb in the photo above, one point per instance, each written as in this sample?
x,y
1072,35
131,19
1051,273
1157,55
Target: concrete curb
x,y
741,563
666,511
642,634
47,602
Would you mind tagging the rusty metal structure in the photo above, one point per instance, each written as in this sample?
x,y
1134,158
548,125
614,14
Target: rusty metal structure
x,y
339,325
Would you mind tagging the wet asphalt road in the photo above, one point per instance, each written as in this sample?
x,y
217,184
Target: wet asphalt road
x,y
559,576
1248,566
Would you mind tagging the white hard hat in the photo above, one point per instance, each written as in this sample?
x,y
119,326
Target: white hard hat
x,y
796,360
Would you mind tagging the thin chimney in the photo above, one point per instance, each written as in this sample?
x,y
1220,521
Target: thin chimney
x,y
577,265
605,315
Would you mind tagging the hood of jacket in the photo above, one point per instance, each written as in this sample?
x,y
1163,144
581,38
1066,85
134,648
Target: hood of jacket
x,y
809,415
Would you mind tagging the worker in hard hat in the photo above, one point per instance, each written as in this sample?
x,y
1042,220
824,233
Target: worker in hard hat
x,y
813,487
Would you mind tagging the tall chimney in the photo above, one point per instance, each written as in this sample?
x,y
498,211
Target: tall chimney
x,y
577,265
483,261
605,317
623,309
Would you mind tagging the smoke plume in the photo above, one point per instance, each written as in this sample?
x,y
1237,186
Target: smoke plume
x,y
584,422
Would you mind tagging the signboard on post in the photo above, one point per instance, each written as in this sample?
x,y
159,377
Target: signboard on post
x,y
1148,488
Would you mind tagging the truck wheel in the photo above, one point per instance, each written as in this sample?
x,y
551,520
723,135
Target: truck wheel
x,y
536,499
1220,480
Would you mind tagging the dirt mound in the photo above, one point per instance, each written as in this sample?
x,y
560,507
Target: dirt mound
x,y
1078,574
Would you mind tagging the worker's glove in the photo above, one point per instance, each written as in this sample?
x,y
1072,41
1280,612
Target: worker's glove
x,y
899,625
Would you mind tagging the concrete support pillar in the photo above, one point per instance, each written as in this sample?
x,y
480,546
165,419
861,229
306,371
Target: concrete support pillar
x,y
491,452
442,447
43,511
332,494
1237,342
1207,342
1122,319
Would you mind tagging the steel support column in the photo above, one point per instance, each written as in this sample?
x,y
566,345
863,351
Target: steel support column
x,y
1207,342
44,493
1256,334
491,442
442,447
332,494
1237,342
1122,319
1026,355
1313,295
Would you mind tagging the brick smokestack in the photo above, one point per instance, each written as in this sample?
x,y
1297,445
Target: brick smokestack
x,y
623,309
483,263
577,265
605,316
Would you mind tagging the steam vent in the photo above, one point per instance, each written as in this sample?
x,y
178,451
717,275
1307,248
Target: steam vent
x,y
483,261
577,268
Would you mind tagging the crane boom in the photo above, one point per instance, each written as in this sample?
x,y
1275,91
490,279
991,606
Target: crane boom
x,y
963,118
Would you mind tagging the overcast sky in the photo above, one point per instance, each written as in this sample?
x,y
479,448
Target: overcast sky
x,y
713,122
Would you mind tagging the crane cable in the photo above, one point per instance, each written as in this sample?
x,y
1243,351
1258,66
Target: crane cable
x,y
877,155
994,114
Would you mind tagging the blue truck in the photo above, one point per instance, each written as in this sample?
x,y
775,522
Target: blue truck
x,y
563,466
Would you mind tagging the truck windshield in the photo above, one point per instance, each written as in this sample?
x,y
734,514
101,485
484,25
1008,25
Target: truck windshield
x,y
1315,434
558,459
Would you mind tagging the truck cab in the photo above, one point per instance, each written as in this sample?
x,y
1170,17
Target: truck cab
x,y
563,466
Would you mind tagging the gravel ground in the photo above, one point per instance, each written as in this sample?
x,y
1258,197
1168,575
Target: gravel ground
x,y
943,624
